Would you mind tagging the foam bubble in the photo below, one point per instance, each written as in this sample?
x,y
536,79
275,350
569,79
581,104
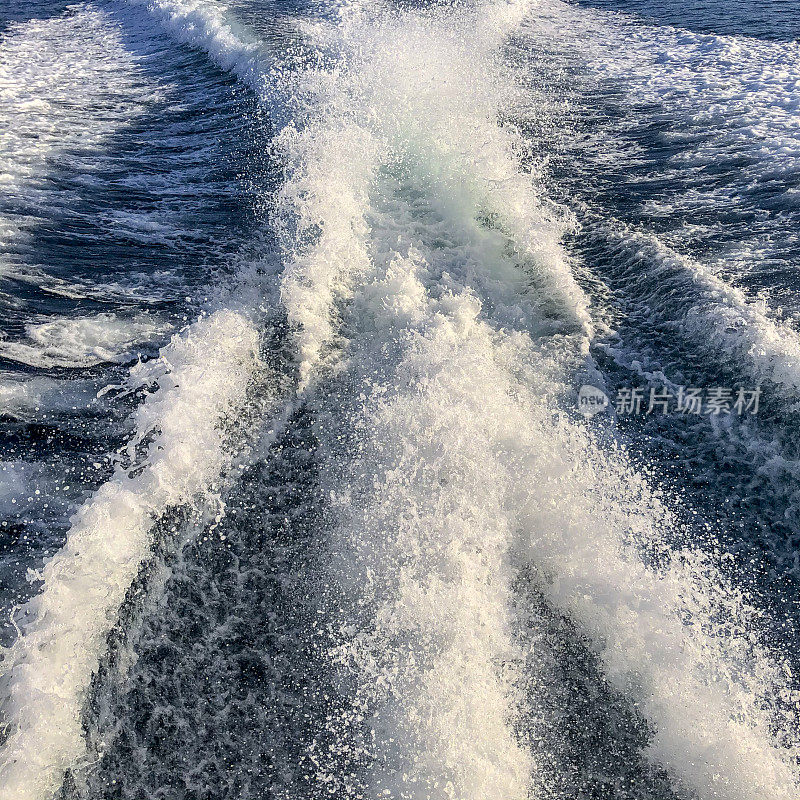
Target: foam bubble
x,y
86,341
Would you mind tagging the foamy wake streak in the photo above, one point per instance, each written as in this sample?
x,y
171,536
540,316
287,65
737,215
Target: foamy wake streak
x,y
206,25
201,378
201,381
462,474
417,247
457,469
421,551
720,317
416,94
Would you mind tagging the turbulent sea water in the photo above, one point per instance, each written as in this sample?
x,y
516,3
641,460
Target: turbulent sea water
x,y
298,499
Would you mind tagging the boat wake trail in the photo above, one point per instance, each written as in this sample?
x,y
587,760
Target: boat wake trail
x,y
427,464
199,379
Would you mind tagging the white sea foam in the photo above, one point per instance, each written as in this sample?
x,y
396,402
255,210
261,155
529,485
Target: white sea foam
x,y
85,341
458,469
464,473
410,230
732,95
201,378
441,609
47,82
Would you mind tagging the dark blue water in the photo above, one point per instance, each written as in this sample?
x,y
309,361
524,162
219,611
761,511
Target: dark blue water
x,y
765,19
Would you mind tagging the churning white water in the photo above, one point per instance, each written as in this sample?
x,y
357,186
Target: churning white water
x,y
436,330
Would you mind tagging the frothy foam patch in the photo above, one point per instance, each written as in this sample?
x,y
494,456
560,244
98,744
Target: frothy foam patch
x,y
25,396
460,467
421,549
438,118
86,341
47,82
721,99
201,378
